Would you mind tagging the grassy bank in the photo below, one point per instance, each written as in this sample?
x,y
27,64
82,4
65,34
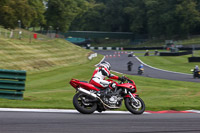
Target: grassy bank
x,y
39,55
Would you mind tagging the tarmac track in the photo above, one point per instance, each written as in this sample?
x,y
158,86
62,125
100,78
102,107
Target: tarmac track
x,y
119,64
32,122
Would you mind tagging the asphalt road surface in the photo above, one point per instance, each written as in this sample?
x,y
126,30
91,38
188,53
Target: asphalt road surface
x,y
30,122
119,64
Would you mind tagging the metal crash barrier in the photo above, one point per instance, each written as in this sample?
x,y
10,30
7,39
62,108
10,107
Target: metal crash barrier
x,y
12,84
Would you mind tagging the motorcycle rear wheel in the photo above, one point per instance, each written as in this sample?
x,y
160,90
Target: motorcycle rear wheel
x,y
82,104
135,108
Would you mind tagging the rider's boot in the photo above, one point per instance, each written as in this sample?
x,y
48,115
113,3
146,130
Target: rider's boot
x,y
98,93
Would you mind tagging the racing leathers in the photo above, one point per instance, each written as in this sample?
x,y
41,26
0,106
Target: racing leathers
x,y
99,75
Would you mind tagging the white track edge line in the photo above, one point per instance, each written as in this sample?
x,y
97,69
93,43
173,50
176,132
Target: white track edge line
x,y
71,111
59,111
195,111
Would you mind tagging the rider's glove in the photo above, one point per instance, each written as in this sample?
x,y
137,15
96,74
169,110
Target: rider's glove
x,y
122,78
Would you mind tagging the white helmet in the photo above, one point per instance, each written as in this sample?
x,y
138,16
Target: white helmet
x,y
106,65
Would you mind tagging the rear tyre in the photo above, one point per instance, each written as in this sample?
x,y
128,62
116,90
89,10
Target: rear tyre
x,y
82,103
135,108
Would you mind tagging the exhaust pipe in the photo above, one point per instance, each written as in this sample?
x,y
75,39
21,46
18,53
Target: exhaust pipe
x,y
87,92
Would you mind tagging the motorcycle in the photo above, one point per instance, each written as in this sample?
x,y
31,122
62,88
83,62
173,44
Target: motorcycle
x,y
90,98
140,71
196,73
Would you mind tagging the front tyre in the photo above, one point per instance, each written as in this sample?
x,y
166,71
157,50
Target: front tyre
x,y
82,103
135,107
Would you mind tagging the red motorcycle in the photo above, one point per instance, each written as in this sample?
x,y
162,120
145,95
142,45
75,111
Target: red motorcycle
x,y
90,98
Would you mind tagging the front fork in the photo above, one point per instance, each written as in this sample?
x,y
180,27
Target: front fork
x,y
133,97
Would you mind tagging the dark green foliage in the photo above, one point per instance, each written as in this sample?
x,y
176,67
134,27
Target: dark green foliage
x,y
27,11
165,19
156,18
90,20
38,8
61,13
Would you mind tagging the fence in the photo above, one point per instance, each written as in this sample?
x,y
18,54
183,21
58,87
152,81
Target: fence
x,y
24,34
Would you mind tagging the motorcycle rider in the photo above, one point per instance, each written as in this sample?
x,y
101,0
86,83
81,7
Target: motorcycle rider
x,y
196,72
140,67
100,73
196,69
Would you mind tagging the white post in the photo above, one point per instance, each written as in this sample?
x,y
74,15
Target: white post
x,y
11,34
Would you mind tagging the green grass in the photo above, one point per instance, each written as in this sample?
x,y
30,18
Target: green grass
x,y
52,90
51,64
196,53
20,54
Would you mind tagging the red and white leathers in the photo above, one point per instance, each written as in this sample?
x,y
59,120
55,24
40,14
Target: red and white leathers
x,y
99,75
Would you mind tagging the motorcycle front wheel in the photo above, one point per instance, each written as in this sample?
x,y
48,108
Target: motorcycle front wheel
x,y
82,103
137,107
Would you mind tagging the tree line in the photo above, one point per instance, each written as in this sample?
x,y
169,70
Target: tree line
x,y
155,18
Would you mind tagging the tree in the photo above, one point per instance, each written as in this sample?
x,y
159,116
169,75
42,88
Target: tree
x,y
11,11
198,5
7,14
197,29
115,18
136,10
158,16
187,16
60,13
91,20
171,18
38,7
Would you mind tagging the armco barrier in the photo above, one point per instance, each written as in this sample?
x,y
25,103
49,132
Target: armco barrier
x,y
175,53
144,48
104,48
12,84
139,48
194,59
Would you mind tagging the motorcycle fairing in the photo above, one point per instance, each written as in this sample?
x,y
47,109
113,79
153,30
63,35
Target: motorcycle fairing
x,y
76,83
127,85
